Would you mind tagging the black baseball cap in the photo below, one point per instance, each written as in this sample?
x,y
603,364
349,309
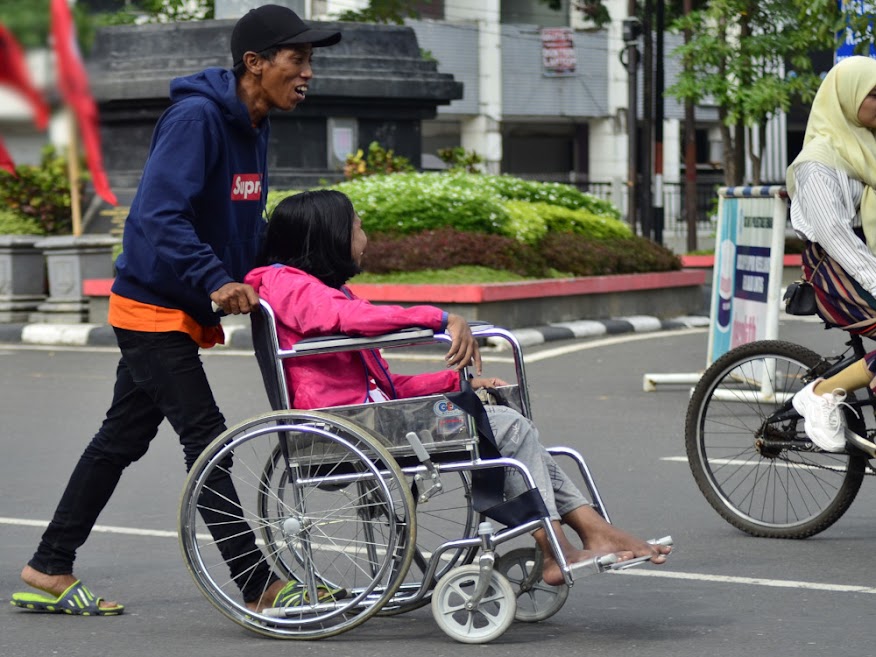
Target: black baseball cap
x,y
273,25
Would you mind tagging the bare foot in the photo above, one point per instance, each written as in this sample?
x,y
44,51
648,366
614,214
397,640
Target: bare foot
x,y
598,535
267,598
611,539
553,575
54,585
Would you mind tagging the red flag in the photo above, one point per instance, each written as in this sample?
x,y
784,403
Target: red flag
x,y
6,160
14,73
73,82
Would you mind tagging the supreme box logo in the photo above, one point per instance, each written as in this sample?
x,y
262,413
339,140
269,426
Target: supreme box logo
x,y
246,187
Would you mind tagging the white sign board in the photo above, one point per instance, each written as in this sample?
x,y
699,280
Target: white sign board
x,y
747,276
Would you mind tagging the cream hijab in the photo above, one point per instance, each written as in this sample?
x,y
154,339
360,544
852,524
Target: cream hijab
x,y
836,138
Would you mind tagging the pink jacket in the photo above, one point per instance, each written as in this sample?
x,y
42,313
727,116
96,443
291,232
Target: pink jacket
x,y
306,308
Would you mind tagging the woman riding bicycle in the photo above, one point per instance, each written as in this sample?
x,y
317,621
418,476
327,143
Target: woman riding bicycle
x,y
832,185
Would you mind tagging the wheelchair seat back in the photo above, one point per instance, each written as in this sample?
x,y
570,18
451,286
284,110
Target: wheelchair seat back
x,y
441,426
266,345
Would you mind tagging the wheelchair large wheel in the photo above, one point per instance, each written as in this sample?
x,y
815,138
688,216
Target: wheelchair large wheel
x,y
444,517
749,453
333,512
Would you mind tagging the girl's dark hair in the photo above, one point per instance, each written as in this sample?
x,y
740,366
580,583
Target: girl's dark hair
x,y
312,232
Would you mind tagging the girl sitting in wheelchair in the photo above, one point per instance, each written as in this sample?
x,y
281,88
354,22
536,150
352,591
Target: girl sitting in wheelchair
x,y
315,244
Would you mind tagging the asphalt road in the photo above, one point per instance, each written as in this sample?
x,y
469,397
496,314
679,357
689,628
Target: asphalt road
x,y
721,594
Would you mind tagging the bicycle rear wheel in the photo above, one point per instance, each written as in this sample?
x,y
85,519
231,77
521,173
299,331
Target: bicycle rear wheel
x,y
748,451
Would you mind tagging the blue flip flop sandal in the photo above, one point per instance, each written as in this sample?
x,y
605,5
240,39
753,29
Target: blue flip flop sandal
x,y
77,600
295,594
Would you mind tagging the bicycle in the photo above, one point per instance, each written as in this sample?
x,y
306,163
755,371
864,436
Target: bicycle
x,y
747,448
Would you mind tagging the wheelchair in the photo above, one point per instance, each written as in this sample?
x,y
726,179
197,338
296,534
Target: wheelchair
x,y
375,503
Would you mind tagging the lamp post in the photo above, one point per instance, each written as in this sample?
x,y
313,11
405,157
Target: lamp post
x,y
632,29
659,216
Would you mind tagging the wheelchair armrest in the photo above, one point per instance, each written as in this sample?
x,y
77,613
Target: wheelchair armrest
x,y
330,343
478,326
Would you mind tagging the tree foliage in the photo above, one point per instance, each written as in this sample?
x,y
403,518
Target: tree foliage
x,y
752,58
28,20
383,11
594,10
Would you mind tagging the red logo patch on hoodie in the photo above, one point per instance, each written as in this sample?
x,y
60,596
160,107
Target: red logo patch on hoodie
x,y
246,187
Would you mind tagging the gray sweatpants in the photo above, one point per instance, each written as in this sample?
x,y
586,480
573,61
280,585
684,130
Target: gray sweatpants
x,y
517,437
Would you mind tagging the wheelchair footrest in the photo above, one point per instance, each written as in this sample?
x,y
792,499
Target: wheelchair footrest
x,y
637,561
592,566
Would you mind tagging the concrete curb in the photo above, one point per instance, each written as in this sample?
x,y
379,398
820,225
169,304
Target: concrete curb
x,y
238,336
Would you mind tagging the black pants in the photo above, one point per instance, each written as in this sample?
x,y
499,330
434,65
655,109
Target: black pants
x,y
160,375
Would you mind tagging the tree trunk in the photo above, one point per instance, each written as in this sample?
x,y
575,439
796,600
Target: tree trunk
x,y
739,152
756,154
729,148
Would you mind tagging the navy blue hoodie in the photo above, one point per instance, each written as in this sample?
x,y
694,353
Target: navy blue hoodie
x,y
197,220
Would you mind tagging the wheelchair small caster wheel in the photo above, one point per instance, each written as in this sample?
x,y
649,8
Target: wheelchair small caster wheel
x,y
536,601
488,620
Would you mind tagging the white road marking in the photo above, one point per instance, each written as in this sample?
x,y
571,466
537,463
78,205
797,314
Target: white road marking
x,y
750,581
107,529
667,574
606,342
766,462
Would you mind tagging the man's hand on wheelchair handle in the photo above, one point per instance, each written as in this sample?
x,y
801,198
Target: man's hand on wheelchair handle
x,y
463,347
236,298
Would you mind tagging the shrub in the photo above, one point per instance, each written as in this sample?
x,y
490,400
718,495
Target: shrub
x,y
566,254
582,255
41,193
447,247
405,203
567,196
459,158
378,160
420,221
12,223
530,222
526,222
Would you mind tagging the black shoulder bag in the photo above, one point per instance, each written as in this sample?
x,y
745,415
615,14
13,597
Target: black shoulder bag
x,y
799,296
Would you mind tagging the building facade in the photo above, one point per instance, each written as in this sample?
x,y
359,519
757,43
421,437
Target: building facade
x,y
516,112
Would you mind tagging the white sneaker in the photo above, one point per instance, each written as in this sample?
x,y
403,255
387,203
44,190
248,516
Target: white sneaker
x,y
824,421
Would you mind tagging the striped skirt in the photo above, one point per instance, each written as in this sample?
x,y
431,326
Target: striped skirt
x,y
841,300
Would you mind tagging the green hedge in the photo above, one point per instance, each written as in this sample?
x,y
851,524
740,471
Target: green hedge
x,y
557,255
419,221
406,203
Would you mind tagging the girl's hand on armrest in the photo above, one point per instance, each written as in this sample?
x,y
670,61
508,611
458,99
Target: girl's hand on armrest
x,y
463,348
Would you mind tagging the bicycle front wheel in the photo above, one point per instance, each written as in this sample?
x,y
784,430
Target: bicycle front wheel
x,y
749,453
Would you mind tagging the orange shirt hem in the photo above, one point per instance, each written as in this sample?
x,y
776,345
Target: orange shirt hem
x,y
134,315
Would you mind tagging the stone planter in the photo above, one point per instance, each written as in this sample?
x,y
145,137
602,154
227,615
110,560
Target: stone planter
x,y
22,277
69,261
